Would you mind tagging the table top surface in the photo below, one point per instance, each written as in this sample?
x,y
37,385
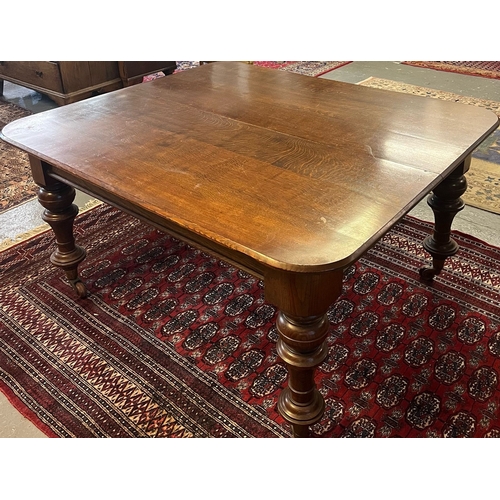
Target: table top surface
x,y
298,173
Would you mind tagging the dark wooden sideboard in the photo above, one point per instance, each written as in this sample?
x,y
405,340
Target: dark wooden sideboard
x,y
70,81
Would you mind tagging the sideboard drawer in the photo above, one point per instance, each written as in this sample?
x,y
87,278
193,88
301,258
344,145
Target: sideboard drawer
x,y
43,74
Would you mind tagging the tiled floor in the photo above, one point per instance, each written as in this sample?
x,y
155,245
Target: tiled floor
x,y
479,223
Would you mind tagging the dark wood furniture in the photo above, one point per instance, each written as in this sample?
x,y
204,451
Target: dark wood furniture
x,y
70,81
132,72
289,177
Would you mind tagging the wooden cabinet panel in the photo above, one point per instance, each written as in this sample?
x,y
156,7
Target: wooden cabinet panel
x,y
70,81
87,74
41,74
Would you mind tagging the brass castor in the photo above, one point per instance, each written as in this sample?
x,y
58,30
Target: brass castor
x,y
80,288
427,274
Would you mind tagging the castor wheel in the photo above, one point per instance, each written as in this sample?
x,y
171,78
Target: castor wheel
x,y
427,273
80,289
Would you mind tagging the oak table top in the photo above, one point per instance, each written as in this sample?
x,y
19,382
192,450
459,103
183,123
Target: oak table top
x,y
288,176
297,172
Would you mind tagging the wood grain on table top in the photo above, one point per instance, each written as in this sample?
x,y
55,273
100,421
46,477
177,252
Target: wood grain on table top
x,y
296,172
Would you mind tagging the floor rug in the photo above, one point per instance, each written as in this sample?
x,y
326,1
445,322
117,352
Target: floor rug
x,y
487,69
483,177
16,184
174,343
308,68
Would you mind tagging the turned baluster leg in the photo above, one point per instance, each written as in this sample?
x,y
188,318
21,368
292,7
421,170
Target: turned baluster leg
x,y
60,212
302,347
302,323
445,202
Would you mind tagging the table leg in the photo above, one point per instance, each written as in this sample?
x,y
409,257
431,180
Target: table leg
x,y
60,212
302,347
303,300
445,202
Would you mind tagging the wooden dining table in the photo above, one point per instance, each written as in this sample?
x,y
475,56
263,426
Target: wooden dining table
x,y
289,177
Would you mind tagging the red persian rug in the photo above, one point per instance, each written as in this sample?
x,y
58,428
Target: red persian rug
x,y
488,69
308,68
172,342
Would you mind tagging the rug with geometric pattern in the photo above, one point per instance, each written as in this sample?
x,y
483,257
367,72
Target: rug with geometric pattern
x,y
16,183
308,68
172,342
485,69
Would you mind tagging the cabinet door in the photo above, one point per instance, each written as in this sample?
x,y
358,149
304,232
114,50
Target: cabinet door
x,y
81,75
36,74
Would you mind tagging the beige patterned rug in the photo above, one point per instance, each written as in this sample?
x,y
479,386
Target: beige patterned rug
x,y
483,177
16,184
485,69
